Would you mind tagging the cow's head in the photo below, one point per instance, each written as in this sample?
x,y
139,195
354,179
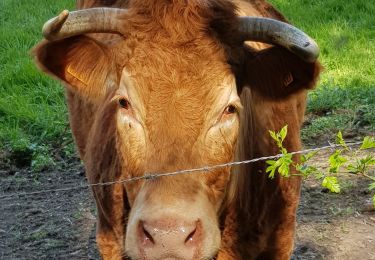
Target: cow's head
x,y
164,96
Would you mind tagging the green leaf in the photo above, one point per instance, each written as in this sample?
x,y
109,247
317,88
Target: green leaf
x,y
273,135
373,200
330,182
372,186
284,170
271,162
361,165
284,151
272,168
305,158
279,137
340,140
368,143
369,160
353,168
301,167
283,132
308,170
285,162
319,175
282,165
336,160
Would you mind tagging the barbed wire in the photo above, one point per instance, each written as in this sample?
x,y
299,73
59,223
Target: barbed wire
x,y
150,176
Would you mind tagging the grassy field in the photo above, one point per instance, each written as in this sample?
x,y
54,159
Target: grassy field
x,y
345,31
32,111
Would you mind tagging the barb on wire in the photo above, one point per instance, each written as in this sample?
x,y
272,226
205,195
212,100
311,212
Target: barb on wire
x,y
150,176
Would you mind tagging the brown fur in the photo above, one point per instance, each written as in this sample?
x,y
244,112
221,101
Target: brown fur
x,y
104,166
175,44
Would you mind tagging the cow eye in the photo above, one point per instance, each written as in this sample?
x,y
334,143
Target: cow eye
x,y
124,103
230,110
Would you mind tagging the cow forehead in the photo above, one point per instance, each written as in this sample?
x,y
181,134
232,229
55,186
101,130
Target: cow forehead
x,y
187,80
173,60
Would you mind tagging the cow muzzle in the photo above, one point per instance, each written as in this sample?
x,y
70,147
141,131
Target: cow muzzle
x,y
170,238
172,227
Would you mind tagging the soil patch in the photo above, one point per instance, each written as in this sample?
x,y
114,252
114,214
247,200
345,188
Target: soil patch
x,y
61,224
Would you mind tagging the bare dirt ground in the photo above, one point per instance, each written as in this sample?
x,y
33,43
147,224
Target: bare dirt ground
x,y
61,224
335,226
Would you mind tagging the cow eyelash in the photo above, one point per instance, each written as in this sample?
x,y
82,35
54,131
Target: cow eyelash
x,y
124,103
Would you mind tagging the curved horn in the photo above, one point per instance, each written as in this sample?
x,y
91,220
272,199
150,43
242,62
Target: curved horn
x,y
272,31
93,20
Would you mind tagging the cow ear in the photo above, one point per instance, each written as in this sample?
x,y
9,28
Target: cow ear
x,y
82,64
277,73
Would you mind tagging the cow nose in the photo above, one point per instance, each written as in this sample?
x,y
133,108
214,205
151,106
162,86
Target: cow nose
x,y
169,235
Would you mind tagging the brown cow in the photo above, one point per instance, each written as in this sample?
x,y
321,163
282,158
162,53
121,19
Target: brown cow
x,y
163,85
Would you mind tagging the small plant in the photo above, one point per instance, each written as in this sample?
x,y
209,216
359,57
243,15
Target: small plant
x,y
338,162
41,161
283,163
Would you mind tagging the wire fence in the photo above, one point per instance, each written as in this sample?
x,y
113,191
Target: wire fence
x,y
59,221
150,176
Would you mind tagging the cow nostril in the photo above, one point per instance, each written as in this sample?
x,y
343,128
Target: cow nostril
x,y
190,238
145,236
169,233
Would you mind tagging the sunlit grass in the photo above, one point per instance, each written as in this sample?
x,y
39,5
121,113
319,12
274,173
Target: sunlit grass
x,y
345,32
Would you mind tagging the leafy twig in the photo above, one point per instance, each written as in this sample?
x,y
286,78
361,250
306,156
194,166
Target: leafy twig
x,y
337,161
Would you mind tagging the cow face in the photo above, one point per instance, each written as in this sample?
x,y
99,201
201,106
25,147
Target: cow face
x,y
172,108
162,98
176,117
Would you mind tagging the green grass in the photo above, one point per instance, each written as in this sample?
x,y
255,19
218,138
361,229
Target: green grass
x,y
32,110
345,32
346,109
